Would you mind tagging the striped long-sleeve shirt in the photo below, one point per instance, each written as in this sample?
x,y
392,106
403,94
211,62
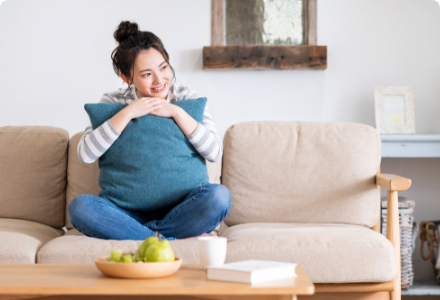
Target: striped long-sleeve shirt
x,y
95,143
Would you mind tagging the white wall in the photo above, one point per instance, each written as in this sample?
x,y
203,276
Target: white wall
x,y
55,56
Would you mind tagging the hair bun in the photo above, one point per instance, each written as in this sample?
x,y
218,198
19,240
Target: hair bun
x,y
125,30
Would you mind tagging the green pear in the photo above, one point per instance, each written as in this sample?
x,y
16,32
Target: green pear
x,y
148,241
159,251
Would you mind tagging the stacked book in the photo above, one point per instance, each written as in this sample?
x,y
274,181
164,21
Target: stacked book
x,y
251,271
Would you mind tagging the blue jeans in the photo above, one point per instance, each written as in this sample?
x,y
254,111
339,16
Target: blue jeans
x,y
201,211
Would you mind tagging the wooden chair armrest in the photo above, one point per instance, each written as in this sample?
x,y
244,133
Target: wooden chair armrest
x,y
393,182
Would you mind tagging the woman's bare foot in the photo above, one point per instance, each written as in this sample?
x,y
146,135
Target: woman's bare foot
x,y
203,234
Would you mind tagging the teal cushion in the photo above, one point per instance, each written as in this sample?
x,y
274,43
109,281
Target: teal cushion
x,y
152,164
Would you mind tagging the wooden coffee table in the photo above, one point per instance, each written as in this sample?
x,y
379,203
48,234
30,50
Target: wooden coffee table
x,y
85,281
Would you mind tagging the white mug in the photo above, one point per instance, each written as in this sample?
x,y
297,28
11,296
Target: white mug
x,y
212,250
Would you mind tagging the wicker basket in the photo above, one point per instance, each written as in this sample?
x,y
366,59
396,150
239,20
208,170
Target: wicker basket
x,y
408,233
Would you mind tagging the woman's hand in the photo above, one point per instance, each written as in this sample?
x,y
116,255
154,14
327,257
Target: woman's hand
x,y
167,110
144,106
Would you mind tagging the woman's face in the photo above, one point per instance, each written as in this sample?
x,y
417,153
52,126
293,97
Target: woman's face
x,y
152,74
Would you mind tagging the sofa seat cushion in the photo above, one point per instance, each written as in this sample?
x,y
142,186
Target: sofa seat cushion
x,y
21,240
329,253
76,248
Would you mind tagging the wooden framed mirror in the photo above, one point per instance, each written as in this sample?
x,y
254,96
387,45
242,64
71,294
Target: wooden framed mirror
x,y
264,34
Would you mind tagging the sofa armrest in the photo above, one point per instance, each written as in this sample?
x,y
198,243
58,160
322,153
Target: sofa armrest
x,y
393,182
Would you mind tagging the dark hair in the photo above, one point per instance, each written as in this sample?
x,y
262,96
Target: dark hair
x,y
131,42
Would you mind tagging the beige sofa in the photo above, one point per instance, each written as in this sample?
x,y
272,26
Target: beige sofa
x,y
304,192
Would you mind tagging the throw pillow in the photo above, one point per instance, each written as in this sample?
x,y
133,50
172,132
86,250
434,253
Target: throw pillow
x,y
152,164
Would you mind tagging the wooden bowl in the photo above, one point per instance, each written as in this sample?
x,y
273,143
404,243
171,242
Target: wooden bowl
x,y
138,270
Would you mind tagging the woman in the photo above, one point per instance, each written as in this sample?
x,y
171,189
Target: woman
x,y
143,63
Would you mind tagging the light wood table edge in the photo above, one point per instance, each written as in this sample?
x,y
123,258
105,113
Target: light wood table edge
x,y
129,288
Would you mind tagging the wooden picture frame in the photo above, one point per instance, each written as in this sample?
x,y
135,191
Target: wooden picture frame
x,y
306,56
394,107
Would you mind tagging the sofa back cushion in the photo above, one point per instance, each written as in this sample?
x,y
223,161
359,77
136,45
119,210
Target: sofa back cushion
x,y
33,163
302,172
84,178
81,178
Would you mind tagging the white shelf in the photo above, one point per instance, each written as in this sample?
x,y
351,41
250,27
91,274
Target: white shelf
x,y
410,145
414,146
426,287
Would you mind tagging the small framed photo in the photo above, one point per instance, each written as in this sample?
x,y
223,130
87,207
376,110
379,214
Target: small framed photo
x,y
394,109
